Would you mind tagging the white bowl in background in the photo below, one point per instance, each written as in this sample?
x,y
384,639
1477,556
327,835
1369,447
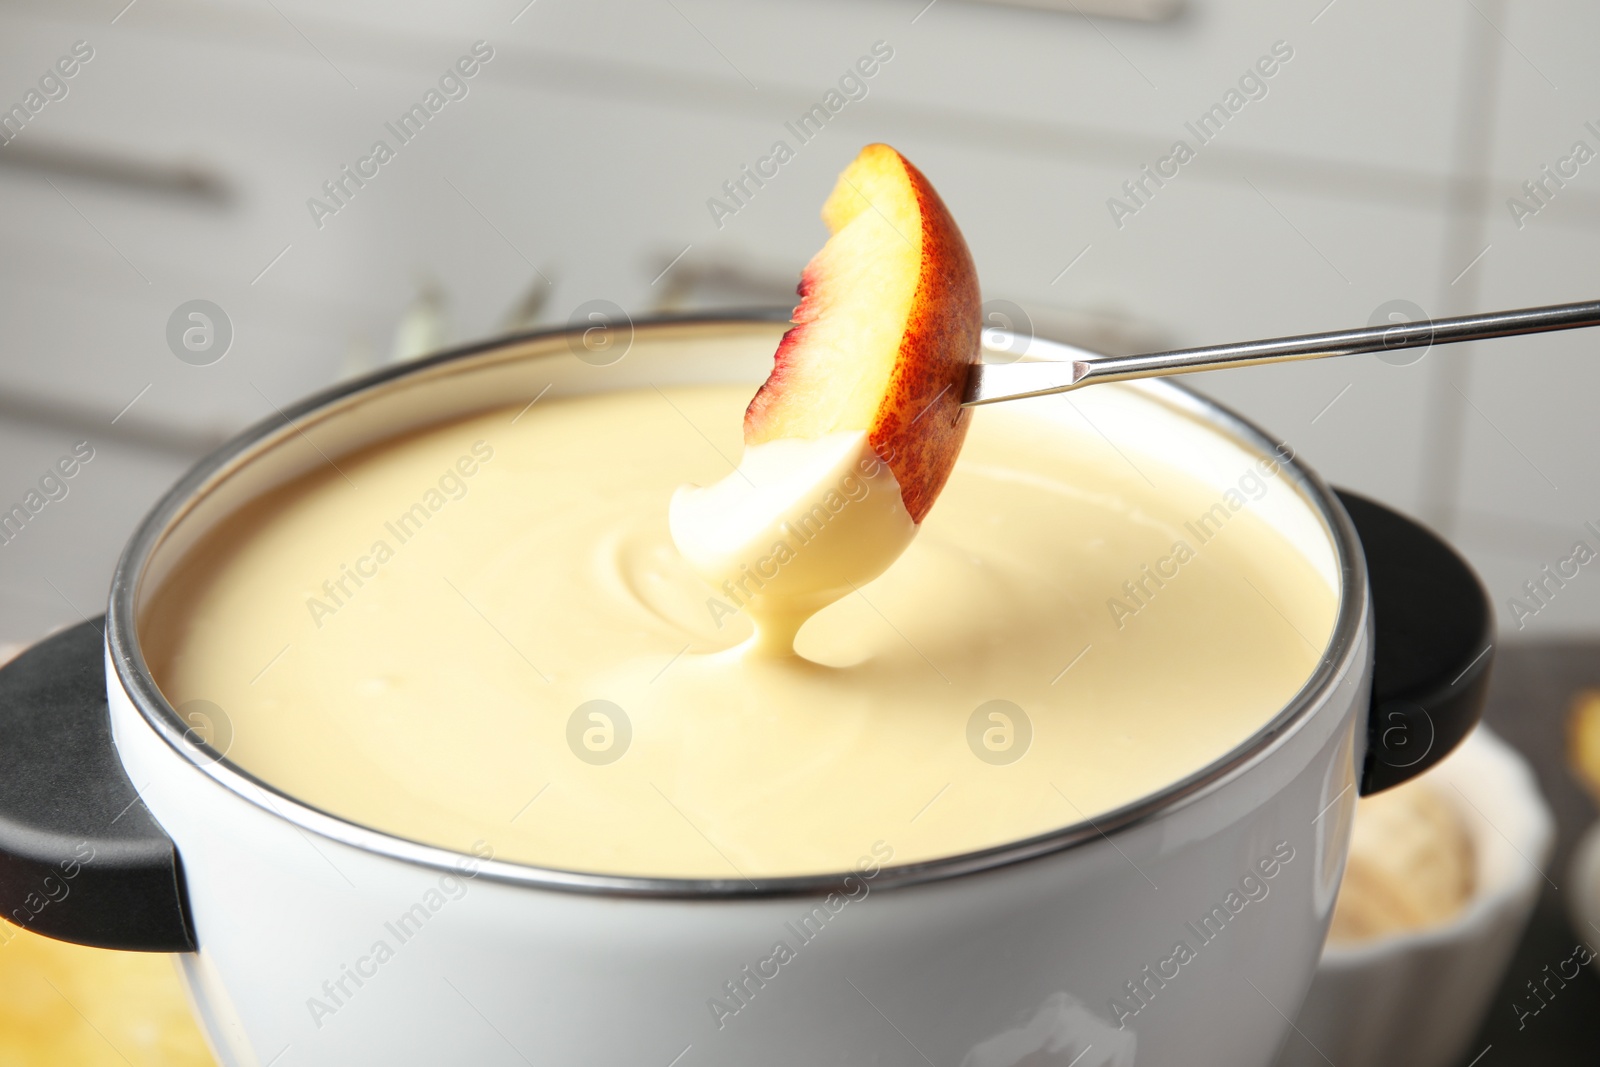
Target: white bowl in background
x,y
1583,877
1416,999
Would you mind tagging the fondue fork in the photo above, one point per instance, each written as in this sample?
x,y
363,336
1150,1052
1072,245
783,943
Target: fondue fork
x,y
988,383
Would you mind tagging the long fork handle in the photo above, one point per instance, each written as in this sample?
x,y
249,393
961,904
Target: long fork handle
x,y
988,383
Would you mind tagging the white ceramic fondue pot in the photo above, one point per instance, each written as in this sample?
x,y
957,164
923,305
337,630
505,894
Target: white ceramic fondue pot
x,y
1181,929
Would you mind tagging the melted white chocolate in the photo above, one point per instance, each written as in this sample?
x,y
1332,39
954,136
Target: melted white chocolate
x,y
444,627
798,524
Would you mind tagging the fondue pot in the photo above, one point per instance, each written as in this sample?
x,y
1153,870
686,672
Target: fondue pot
x,y
1180,929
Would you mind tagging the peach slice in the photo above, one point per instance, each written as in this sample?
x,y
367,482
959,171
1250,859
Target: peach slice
x,y
887,326
855,432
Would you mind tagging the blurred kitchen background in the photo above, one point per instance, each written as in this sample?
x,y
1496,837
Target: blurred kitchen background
x,y
1372,179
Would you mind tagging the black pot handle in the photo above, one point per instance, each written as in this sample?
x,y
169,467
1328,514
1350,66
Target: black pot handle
x,y
81,858
1434,635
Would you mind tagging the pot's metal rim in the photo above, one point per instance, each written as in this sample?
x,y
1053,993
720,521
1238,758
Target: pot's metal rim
x,y
127,659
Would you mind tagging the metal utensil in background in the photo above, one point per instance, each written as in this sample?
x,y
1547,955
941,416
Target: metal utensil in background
x,y
988,383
